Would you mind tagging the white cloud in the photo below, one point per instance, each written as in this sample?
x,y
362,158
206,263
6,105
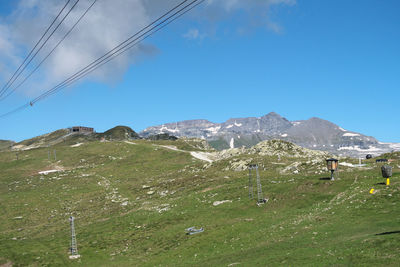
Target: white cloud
x,y
107,24
258,12
193,34
8,52
231,5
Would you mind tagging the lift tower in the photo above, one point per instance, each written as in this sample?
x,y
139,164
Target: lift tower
x,y
74,246
260,198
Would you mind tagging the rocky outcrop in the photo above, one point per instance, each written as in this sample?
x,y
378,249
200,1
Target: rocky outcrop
x,y
162,136
284,149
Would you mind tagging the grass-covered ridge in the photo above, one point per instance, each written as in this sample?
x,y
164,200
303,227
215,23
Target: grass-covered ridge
x,y
119,133
4,144
134,199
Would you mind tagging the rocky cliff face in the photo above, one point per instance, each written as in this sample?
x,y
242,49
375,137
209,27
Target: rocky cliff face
x,y
314,133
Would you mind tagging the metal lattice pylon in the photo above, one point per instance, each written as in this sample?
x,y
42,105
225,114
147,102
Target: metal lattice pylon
x,y
260,198
74,247
250,184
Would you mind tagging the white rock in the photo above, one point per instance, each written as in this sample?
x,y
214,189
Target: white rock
x,y
47,172
76,145
216,203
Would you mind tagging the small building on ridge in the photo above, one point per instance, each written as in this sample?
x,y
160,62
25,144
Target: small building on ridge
x,y
81,129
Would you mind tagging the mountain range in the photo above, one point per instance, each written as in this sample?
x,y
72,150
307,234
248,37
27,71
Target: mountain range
x,y
314,133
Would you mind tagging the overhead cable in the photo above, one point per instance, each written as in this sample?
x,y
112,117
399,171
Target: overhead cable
x,y
108,56
90,70
18,73
144,33
54,48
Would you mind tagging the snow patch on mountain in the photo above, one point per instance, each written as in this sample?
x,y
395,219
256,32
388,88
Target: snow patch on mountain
x,y
214,130
232,143
164,128
358,148
351,134
395,146
347,164
201,155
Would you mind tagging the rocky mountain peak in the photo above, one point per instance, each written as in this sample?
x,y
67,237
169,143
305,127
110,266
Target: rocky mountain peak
x,y
272,114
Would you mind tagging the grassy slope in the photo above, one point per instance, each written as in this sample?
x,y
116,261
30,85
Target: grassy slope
x,y
119,133
45,138
307,221
5,144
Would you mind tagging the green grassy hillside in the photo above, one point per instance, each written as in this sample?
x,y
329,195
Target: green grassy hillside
x,y
65,137
53,137
133,201
119,133
4,144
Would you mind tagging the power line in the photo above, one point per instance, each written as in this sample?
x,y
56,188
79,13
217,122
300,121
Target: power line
x,y
30,60
55,47
116,51
88,71
108,57
55,29
41,38
118,46
15,110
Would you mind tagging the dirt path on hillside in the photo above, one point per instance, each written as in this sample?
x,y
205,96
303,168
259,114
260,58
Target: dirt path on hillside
x,y
205,156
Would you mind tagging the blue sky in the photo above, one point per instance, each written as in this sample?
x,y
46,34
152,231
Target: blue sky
x,y
337,60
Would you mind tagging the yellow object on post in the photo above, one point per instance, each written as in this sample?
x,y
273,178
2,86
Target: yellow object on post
x,y
387,181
